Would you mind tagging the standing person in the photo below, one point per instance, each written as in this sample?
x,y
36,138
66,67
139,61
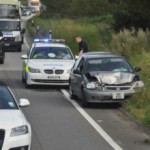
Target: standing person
x,y
83,47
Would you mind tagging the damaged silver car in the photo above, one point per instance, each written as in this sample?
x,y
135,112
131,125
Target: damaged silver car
x,y
103,77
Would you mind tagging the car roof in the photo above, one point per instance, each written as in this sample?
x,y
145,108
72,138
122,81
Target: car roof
x,y
101,54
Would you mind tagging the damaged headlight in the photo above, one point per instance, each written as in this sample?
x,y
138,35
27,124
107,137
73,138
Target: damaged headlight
x,y
91,85
138,85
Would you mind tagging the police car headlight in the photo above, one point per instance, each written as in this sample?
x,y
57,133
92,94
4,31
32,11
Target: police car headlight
x,y
21,130
138,85
91,85
33,70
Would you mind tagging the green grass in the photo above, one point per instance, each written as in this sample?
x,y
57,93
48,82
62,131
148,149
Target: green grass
x,y
135,45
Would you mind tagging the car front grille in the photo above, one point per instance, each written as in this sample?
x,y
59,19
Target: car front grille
x,y
2,134
49,71
9,39
59,71
117,88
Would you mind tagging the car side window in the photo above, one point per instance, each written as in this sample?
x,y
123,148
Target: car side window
x,y
80,66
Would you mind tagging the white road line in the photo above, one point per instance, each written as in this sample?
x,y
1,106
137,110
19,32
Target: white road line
x,y
96,126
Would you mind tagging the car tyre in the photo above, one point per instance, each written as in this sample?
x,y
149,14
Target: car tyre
x,y
1,61
23,79
84,102
72,96
27,86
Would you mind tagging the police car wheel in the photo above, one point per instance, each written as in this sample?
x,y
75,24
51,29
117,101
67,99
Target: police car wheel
x,y
27,86
23,79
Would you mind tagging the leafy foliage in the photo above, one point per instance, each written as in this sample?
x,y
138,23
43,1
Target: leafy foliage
x,y
127,13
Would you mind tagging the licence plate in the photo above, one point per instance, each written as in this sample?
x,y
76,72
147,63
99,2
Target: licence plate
x,y
53,77
7,44
118,95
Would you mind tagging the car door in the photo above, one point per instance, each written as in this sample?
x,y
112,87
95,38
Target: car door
x,y
78,78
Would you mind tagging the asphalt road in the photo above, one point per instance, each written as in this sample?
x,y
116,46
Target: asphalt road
x,y
60,124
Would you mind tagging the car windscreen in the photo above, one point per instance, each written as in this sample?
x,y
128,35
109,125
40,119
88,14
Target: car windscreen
x,y
108,64
51,53
10,25
8,10
6,99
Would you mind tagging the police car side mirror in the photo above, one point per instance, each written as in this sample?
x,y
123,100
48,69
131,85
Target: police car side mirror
x,y
24,57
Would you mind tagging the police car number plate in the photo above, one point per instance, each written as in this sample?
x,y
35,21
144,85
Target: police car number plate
x,y
53,77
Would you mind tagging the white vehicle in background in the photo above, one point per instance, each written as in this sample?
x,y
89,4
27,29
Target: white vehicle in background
x,y
36,4
10,24
48,62
15,130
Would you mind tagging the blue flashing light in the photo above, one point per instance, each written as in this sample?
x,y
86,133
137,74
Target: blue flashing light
x,y
49,40
36,40
46,40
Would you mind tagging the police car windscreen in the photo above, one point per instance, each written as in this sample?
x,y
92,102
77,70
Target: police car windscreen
x,y
51,53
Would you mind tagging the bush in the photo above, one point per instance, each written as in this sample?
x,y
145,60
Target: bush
x,y
131,42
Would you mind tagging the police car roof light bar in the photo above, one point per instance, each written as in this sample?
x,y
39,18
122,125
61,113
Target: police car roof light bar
x,y
49,41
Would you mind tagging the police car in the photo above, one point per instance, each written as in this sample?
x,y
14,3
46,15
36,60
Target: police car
x,y
48,62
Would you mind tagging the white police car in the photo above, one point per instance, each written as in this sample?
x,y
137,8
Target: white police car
x,y
48,62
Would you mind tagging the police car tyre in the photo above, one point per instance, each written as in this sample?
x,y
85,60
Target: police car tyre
x,y
23,79
27,86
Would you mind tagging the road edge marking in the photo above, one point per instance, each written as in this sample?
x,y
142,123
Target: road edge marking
x,y
93,123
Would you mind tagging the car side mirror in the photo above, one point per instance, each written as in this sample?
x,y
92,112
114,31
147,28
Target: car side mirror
x,y
137,69
23,31
24,57
24,102
77,71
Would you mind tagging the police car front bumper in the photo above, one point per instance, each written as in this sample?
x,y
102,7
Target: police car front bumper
x,y
44,79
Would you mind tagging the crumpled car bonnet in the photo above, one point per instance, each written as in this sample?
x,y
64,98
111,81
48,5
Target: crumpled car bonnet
x,y
114,78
